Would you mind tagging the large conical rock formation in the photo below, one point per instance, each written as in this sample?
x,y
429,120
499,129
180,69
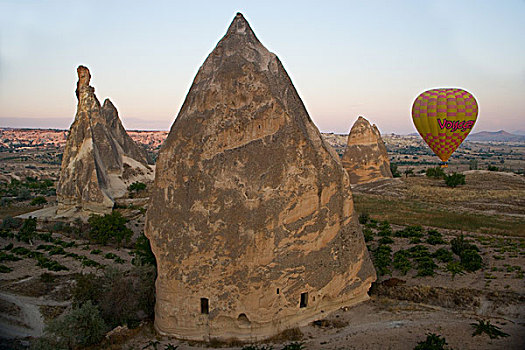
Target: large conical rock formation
x,y
100,159
251,217
365,157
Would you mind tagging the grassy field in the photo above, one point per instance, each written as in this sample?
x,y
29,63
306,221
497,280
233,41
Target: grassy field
x,y
413,212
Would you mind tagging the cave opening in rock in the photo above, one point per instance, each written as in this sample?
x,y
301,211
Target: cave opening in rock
x,y
205,308
304,300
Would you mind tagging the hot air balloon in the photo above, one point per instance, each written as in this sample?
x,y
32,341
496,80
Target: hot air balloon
x,y
444,118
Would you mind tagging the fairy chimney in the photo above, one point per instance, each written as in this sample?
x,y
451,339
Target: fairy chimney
x,y
251,217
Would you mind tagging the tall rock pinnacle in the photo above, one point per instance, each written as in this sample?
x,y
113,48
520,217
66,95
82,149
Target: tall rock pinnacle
x,y
365,157
100,158
251,216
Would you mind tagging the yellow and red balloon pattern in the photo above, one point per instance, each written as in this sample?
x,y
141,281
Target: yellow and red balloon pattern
x,y
444,118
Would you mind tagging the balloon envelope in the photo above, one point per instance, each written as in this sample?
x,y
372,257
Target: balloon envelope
x,y
444,118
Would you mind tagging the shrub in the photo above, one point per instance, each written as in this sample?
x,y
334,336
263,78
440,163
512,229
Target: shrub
x,y
88,287
372,223
460,244
410,231
8,247
394,170
434,237
20,251
38,200
435,173
385,229
425,266
386,240
91,263
110,227
415,240
46,237
110,256
23,194
433,342
382,259
455,268
5,269
401,261
419,251
492,168
10,223
137,187
57,250
454,180
28,230
471,260
81,326
257,347
443,255
363,218
368,234
468,253
294,346
143,253
492,331
8,257
49,264
122,297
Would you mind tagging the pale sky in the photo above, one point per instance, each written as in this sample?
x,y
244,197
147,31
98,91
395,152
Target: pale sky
x,y
345,58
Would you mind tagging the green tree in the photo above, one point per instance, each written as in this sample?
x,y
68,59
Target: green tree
x,y
28,230
137,187
394,170
38,200
435,173
109,228
81,326
454,180
143,253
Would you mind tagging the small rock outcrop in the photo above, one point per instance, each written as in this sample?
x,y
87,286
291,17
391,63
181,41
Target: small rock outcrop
x,y
100,159
251,217
365,158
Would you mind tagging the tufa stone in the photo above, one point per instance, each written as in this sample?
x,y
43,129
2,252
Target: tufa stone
x,y
100,159
365,157
251,217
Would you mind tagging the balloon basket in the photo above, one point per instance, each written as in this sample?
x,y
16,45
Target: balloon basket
x,y
444,165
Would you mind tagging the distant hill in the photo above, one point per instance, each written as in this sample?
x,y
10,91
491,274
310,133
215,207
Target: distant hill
x,y
501,136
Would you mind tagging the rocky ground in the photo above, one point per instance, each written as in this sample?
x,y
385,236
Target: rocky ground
x,y
403,308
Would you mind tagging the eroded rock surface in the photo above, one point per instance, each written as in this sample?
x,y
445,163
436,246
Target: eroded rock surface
x,y
100,159
365,157
251,218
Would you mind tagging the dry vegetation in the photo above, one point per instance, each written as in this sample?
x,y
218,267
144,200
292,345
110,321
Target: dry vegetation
x,y
423,287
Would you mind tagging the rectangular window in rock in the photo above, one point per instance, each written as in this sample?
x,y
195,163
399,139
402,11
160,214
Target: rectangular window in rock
x,y
304,300
205,308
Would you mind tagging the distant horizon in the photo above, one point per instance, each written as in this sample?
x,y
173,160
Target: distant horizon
x,y
346,59
514,132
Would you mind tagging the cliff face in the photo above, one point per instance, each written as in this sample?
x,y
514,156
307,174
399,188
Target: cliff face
x,y
100,159
251,216
365,158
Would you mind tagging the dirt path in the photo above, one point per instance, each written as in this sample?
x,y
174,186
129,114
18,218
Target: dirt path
x,y
29,321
